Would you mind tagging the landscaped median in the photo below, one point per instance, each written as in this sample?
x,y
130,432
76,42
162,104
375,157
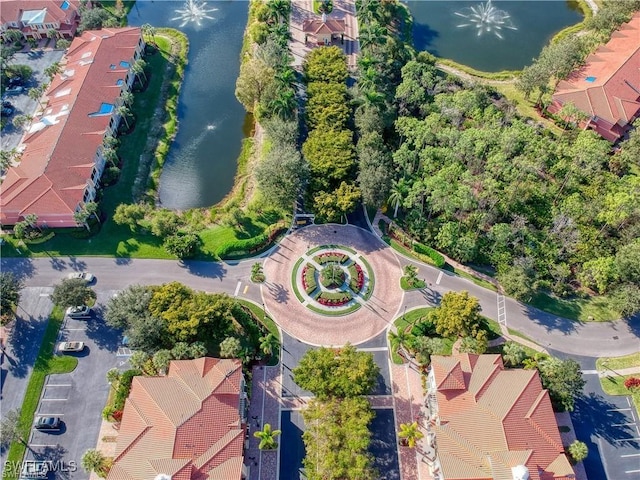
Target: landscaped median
x,y
46,364
613,373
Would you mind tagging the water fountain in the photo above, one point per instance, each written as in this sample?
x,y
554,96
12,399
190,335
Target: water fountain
x,y
486,19
194,11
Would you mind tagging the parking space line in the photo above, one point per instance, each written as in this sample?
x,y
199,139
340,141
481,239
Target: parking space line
x,y
630,455
50,415
39,445
632,471
72,329
617,409
626,439
45,294
622,424
54,399
58,385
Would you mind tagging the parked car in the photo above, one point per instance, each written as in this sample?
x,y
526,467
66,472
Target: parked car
x,y
15,81
80,311
50,424
65,347
7,111
86,276
14,90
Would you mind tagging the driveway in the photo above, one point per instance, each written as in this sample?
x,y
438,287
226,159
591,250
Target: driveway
x,y
77,397
38,60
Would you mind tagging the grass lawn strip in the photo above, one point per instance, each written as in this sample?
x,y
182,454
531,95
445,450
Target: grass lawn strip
x,y
404,284
617,363
294,278
372,280
614,385
46,364
267,322
334,313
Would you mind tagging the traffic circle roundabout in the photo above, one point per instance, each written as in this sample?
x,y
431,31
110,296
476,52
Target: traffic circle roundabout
x,y
332,280
332,284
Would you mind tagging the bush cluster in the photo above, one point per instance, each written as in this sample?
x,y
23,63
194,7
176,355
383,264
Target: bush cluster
x,y
309,278
356,280
333,299
330,257
436,258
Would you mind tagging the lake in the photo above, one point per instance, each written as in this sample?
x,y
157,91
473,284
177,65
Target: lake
x,y
500,35
202,161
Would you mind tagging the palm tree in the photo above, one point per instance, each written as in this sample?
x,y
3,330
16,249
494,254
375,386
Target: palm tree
x,y
286,76
52,70
138,69
127,98
267,438
110,141
284,104
400,340
21,121
149,31
13,35
83,215
124,112
410,433
411,272
279,9
268,344
37,92
395,197
110,155
93,461
372,35
7,157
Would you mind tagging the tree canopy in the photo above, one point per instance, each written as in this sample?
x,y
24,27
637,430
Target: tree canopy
x,y
563,379
458,315
343,372
72,292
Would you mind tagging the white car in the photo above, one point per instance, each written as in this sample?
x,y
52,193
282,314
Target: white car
x,y
86,276
81,311
64,347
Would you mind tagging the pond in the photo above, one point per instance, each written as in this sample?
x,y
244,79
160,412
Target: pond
x,y
202,161
490,36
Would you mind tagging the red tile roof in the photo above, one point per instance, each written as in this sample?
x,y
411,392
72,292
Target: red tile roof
x,y
607,87
496,420
11,10
186,425
60,147
315,26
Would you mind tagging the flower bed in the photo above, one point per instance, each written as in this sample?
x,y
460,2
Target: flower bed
x,y
331,257
330,299
309,278
356,281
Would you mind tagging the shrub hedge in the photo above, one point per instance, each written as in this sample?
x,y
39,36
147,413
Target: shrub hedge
x,y
332,299
331,257
124,387
438,259
309,278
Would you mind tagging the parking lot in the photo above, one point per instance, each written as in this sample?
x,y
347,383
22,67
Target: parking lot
x,y
611,429
38,60
79,397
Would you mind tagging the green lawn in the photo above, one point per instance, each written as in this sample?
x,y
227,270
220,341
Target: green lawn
x,y
46,363
114,240
614,385
616,363
591,309
405,285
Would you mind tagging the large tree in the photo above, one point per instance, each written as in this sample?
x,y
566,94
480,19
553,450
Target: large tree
x,y
458,315
282,175
343,372
72,292
337,439
563,379
10,286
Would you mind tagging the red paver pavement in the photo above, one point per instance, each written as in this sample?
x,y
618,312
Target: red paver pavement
x,y
316,329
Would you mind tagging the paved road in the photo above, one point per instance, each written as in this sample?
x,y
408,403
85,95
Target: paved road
x,y
592,339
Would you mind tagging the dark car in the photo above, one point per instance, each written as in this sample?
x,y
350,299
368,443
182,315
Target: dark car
x,y
7,111
48,423
14,81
